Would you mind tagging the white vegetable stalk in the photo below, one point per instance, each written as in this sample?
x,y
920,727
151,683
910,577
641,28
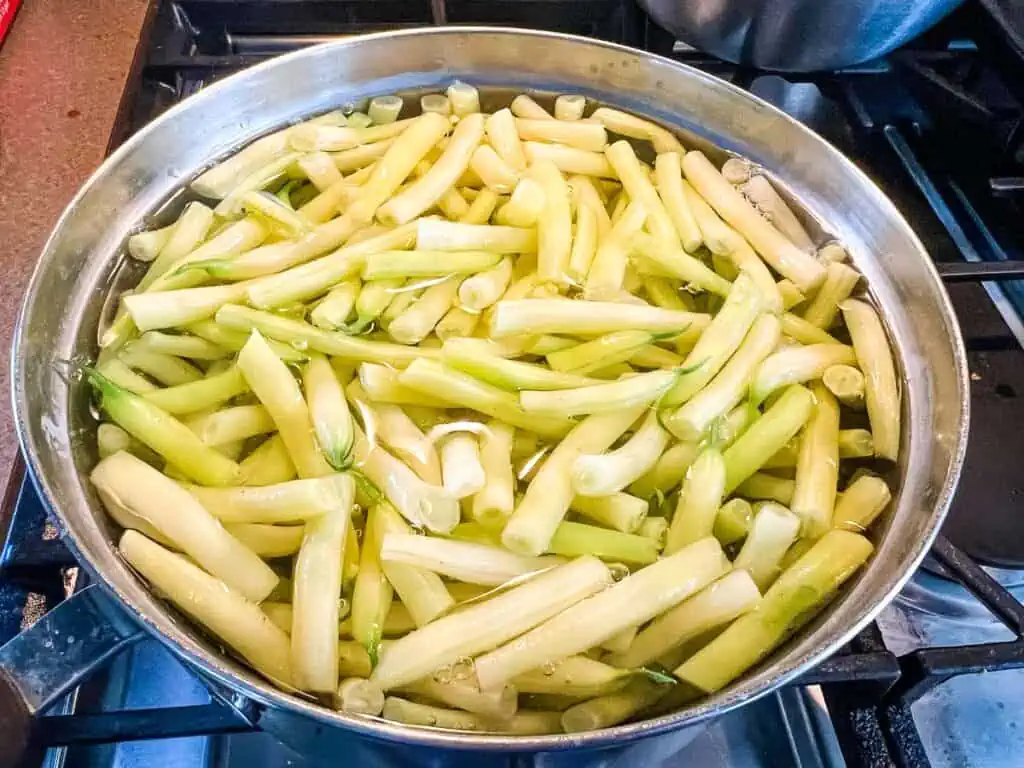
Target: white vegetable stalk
x,y
486,625
588,136
668,178
428,189
642,389
859,505
416,323
536,316
500,704
462,560
504,138
550,493
223,610
230,424
441,235
881,387
784,257
796,365
423,505
359,697
604,474
372,592
719,342
570,159
273,384
464,98
817,467
608,270
461,468
485,288
635,600
574,676
554,224
714,606
772,533
638,186
493,503
788,603
333,311
399,433
667,472
524,206
635,127
268,541
620,511
420,590
840,280
294,501
699,499
655,257
770,432
269,463
316,584
176,514
332,420
727,389
380,384
762,194
494,172
614,708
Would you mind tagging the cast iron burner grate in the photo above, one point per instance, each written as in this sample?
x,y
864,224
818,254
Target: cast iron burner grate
x,y
894,117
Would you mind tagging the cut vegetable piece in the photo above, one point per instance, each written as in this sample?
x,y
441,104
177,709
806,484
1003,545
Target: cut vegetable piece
x,y
720,340
406,264
772,430
874,357
462,390
699,500
268,541
790,602
637,128
420,590
589,317
486,625
859,505
170,509
371,595
293,501
331,343
224,611
732,522
554,224
604,474
641,389
822,310
462,560
473,356
618,510
164,434
268,464
727,389
654,256
817,468
847,384
634,600
576,539
200,395
549,494
316,585
498,705
796,365
786,258
773,531
462,472
273,384
332,420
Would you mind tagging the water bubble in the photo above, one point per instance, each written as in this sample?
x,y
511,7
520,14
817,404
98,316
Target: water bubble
x,y
463,668
548,669
619,571
443,675
300,345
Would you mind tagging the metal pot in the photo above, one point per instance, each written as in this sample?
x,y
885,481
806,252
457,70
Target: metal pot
x,y
798,35
79,263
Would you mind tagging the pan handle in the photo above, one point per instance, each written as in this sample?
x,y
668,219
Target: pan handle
x,y
51,657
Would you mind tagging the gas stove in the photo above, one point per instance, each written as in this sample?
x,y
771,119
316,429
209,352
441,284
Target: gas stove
x,y
936,681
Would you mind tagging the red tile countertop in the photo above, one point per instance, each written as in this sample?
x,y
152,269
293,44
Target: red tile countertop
x,y
62,69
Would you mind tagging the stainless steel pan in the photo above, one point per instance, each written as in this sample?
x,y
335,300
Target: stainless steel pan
x,y
75,272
